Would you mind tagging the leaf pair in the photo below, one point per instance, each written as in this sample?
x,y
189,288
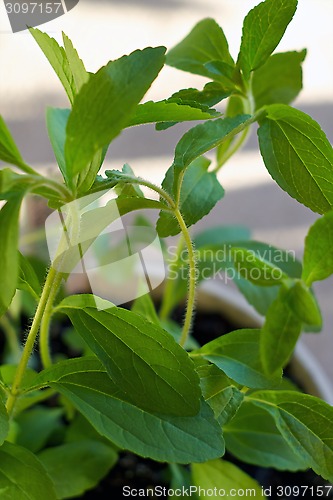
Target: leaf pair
x,y
276,79
145,396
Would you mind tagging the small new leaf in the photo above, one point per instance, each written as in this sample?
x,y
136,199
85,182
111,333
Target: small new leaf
x,y
56,122
9,152
80,75
28,279
200,191
57,57
263,29
205,43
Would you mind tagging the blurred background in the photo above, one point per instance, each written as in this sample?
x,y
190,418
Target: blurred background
x,y
106,29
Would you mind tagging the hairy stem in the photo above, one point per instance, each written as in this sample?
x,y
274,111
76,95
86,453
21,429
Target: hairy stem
x,y
45,324
167,299
31,339
142,182
191,280
234,147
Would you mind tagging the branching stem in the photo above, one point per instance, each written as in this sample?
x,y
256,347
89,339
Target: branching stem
x,y
31,339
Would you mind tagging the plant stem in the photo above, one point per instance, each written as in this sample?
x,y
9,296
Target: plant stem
x,y
31,339
191,281
249,107
44,346
167,300
232,150
141,182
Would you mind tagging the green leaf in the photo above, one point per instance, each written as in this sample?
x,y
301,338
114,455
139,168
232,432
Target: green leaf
x,y
4,422
127,187
9,152
224,476
279,333
306,423
279,80
9,259
254,269
298,156
262,297
206,136
160,437
105,105
87,176
318,258
220,393
252,436
180,478
28,279
57,57
56,121
64,368
80,75
77,467
237,355
220,235
36,426
263,29
211,94
304,305
142,359
205,43
22,475
236,105
200,191
163,111
145,307
13,185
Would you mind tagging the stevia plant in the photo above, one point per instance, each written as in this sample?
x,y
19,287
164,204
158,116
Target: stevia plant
x,y
135,386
